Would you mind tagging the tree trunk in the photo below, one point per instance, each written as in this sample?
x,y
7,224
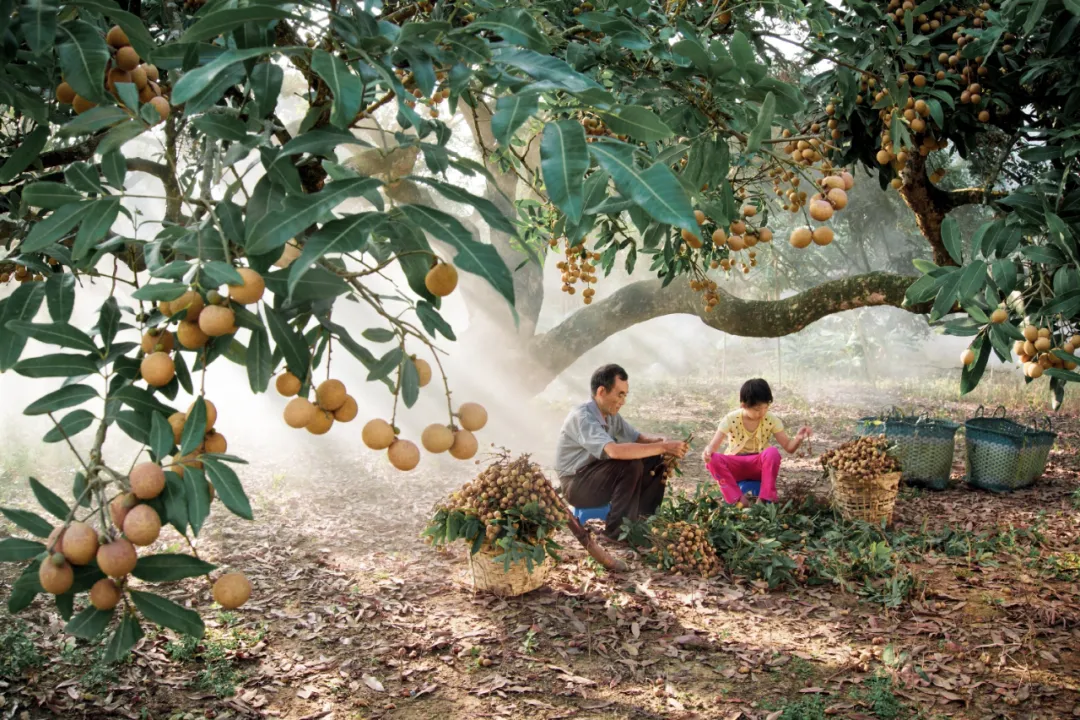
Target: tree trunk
x,y
929,204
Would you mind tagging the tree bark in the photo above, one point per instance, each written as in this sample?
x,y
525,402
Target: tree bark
x,y
929,203
557,349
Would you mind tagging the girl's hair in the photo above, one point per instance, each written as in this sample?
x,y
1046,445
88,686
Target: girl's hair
x,y
755,392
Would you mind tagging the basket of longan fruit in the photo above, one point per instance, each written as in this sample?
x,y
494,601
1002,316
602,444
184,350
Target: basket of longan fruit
x,y
508,515
865,476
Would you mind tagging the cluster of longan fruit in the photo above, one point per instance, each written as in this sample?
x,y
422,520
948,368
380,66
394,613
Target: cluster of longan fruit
x,y
432,103
504,486
685,549
134,524
436,438
865,458
332,403
742,237
125,66
1036,351
198,319
577,268
19,273
595,127
213,441
831,198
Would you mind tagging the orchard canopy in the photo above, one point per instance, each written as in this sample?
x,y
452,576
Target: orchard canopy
x,y
670,135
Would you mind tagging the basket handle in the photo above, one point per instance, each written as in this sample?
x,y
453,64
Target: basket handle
x,y
979,412
1043,422
1002,410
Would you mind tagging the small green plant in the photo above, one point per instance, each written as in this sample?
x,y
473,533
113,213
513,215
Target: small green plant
x,y
805,708
183,648
19,653
528,645
877,693
101,675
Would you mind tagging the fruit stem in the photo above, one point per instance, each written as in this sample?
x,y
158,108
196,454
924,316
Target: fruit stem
x,y
68,440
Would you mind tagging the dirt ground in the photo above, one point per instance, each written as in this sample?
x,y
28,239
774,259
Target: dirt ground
x,y
354,617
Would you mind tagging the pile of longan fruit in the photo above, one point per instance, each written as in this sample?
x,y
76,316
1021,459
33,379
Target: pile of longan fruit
x,y
865,458
685,549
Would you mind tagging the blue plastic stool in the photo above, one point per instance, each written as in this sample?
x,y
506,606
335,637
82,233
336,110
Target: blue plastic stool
x,y
751,486
583,515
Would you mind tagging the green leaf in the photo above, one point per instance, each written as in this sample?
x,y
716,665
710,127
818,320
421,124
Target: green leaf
x,y
90,623
260,361
487,209
1073,6
160,291
194,427
741,52
83,56
1004,274
141,400
386,364
182,374
322,141
56,365
39,25
21,305
300,212
168,614
132,25
763,128
946,296
133,424
124,638
564,159
378,335
545,67
70,425
174,498
516,26
410,382
638,122
50,195
347,235
166,567
161,436
197,491
266,80
1044,255
432,321
971,374
60,294
121,134
57,333
228,487
109,321
292,344
318,283
950,237
474,257
58,223
31,522
94,120
49,500
26,153
194,82
511,111
217,273
25,588
14,549
656,189
222,127
972,280
220,22
922,290
346,87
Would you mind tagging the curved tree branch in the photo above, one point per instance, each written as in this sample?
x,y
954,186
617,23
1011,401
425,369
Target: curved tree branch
x,y
558,348
972,196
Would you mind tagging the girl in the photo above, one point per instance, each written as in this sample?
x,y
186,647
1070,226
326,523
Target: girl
x,y
748,455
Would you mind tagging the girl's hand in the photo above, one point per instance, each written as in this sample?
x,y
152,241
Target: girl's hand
x,y
706,456
804,433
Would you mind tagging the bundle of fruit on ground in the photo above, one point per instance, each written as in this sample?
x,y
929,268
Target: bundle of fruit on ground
x,y
510,506
865,458
684,548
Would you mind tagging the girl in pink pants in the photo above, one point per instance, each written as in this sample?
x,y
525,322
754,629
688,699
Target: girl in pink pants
x,y
749,454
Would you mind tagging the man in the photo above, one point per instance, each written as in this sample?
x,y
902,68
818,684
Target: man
x,y
601,458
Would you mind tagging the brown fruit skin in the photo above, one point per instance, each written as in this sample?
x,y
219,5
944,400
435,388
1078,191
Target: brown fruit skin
x,y
321,423
999,316
232,590
441,279
967,357
138,76
104,595
423,369
299,412
65,94
211,413
118,558
157,369
163,338
191,301
151,72
216,321
765,235
142,525
80,543
119,508
348,410
117,38
287,384
215,442
147,480
176,422
700,217
404,455
331,394
81,105
736,242
691,239
472,416
127,58
821,210
251,291
191,335
822,235
377,434
838,198
162,106
437,438
719,238
56,580
465,445
801,237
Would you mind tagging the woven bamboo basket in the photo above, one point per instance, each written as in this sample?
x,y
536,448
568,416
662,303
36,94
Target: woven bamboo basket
x,y
490,575
924,445
1003,455
870,500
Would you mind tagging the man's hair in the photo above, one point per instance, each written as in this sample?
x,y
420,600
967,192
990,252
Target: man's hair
x,y
755,392
605,377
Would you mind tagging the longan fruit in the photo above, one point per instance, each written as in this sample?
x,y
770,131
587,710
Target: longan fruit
x,y
437,438
822,235
801,237
348,410
104,595
80,543
126,58
465,445
472,416
56,574
287,384
232,590
299,412
217,320
190,335
423,370
65,94
155,337
441,280
211,413
118,558
157,369
81,104
147,480
214,442
117,38
252,289
142,525
377,434
321,423
161,105
403,455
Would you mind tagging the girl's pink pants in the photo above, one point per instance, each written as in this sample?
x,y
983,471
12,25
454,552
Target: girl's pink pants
x,y
728,470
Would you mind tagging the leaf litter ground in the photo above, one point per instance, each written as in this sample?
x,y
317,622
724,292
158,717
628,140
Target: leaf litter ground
x,y
353,617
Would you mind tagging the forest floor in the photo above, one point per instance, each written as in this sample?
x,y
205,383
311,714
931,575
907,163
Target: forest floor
x,y
977,616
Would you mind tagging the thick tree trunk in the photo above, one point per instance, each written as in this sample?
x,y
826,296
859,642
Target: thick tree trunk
x,y
929,204
557,349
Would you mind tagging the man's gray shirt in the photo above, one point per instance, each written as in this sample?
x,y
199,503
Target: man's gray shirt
x,y
583,436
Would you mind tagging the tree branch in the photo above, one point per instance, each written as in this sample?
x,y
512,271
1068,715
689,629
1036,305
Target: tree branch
x,y
558,348
972,196
75,153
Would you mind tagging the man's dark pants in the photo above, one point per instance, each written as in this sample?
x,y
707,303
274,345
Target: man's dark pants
x,y
633,487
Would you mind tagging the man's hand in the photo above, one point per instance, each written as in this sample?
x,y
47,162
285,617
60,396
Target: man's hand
x,y
676,448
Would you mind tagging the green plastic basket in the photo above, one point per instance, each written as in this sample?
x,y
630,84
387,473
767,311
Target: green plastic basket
x,y
925,446
1004,455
